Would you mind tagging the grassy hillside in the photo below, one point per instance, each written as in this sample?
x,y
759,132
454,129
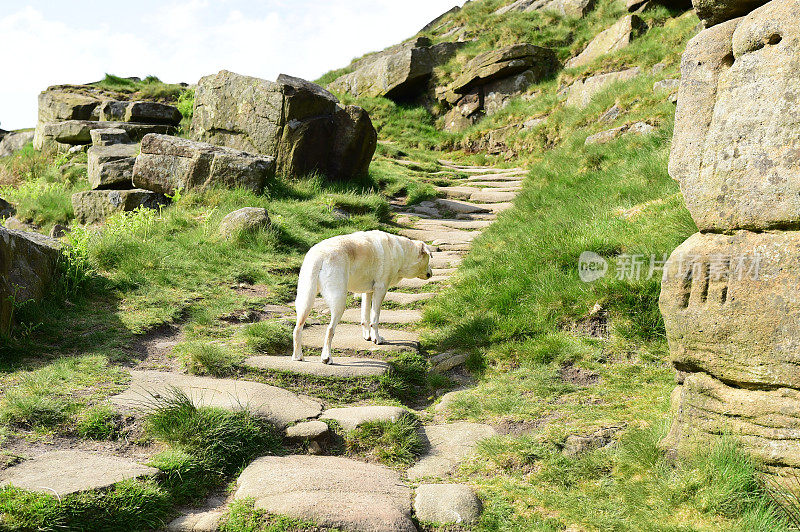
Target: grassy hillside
x,y
549,355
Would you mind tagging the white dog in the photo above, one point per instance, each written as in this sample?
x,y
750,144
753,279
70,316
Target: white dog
x,y
366,263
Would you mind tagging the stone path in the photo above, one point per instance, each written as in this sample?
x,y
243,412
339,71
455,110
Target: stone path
x,y
341,367
447,446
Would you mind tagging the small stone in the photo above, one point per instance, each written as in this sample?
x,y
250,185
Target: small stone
x,y
447,504
578,445
446,361
109,136
66,472
612,114
247,219
352,417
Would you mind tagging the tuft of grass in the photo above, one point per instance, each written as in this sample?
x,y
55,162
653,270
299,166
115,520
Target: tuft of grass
x,y
99,422
150,88
408,375
268,337
203,358
395,444
243,516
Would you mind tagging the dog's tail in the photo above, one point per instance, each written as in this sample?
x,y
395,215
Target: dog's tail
x,y
307,290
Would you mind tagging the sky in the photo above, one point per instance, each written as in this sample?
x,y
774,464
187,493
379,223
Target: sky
x,y
53,42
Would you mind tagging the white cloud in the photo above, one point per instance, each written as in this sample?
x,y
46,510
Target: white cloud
x,y
182,40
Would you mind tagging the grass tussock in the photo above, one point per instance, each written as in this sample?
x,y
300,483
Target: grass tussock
x,y
268,337
394,443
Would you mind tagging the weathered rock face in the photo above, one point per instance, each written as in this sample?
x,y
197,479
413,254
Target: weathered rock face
x,y
299,123
614,38
140,112
713,12
246,219
731,307
73,132
490,79
97,205
107,137
568,8
13,141
167,164
637,128
582,91
729,295
111,166
28,265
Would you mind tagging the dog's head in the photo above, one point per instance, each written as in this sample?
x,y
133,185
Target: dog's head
x,y
425,253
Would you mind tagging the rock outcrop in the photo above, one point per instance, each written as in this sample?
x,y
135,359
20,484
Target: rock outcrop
x,y
581,92
614,38
167,164
111,166
729,294
567,8
399,73
13,141
96,205
490,79
713,12
300,124
140,112
28,266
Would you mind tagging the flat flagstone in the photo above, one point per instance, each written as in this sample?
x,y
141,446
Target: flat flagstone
x,y
329,491
65,472
447,504
349,337
497,208
463,207
495,177
403,298
419,283
448,445
281,407
312,365
455,223
351,417
446,259
353,315
440,237
493,196
497,184
457,192
456,246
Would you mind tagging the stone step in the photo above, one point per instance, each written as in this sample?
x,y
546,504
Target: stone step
x,y
446,259
65,472
353,315
494,177
461,246
353,416
444,271
403,298
447,446
475,194
447,504
419,283
503,185
462,207
348,337
453,223
281,407
437,238
330,491
312,365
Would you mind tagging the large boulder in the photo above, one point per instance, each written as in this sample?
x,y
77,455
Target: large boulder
x,y
765,422
111,166
244,220
713,12
140,112
614,38
168,164
28,266
731,307
60,103
300,124
505,62
568,8
96,205
14,141
740,172
581,92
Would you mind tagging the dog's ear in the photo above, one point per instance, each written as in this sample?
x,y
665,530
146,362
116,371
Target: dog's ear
x,y
421,247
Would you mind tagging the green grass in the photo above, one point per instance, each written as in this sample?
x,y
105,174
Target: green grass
x,y
396,444
242,516
99,422
268,337
150,88
203,358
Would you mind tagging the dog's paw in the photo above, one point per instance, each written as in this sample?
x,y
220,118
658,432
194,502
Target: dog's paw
x,y
378,340
297,358
327,360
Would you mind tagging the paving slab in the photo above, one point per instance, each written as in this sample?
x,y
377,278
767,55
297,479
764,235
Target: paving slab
x,y
456,246
419,283
495,177
463,207
312,365
329,491
349,337
447,504
493,196
447,446
65,472
457,192
280,407
444,271
454,223
440,237
353,315
403,298
446,259
351,417
498,184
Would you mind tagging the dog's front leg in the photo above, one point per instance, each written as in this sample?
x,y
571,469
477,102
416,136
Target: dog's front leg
x,y
377,300
366,310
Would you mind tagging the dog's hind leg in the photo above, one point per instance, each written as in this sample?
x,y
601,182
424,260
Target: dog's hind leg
x,y
366,310
303,311
377,301
336,300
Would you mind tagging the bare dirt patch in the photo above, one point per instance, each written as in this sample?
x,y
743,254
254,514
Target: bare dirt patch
x,y
578,376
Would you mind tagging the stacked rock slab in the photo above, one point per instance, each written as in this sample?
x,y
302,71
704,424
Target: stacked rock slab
x,y
729,295
168,164
300,124
400,72
567,8
614,38
491,78
28,265
68,114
